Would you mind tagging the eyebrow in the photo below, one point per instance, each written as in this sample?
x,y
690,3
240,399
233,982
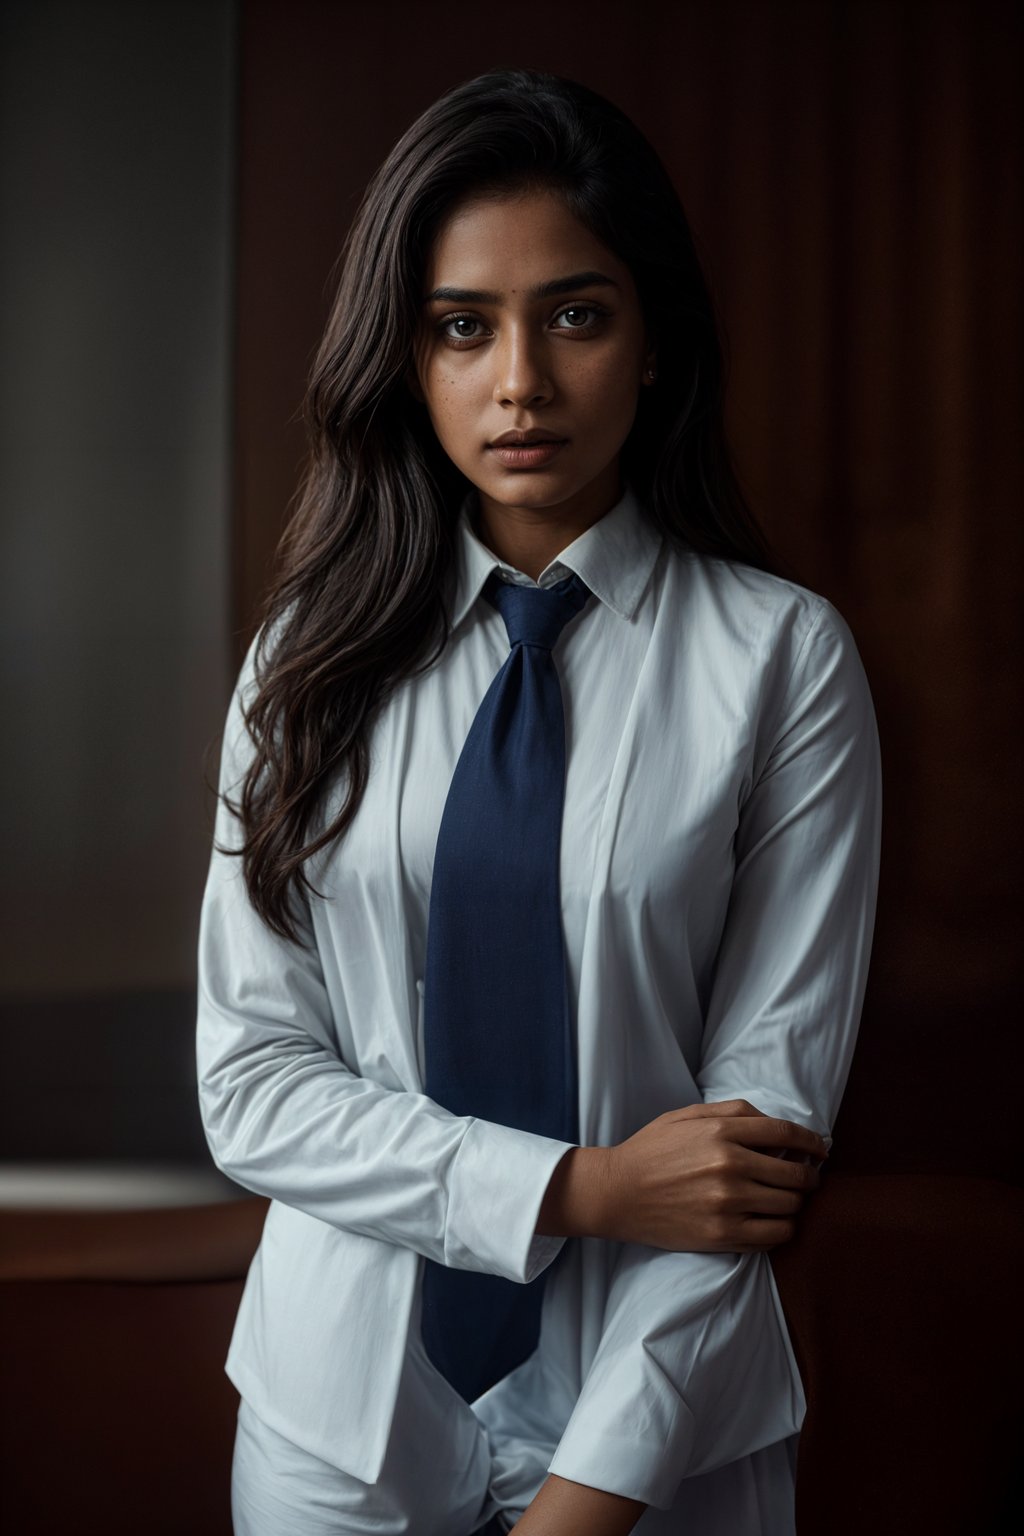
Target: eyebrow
x,y
542,291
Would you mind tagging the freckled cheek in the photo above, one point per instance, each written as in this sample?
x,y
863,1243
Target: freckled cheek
x,y
454,409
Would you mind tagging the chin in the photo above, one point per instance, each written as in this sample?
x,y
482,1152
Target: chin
x,y
535,494
514,485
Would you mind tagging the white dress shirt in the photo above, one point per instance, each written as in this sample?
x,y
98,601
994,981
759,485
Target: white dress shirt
x,y
719,865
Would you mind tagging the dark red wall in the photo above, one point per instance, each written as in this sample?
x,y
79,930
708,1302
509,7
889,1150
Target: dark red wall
x,y
852,172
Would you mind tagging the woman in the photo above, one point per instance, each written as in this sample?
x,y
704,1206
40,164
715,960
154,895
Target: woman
x,y
538,919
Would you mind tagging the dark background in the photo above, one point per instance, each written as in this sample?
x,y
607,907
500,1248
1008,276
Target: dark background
x,y
177,181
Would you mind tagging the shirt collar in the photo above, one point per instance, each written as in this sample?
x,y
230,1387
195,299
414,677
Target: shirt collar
x,y
614,556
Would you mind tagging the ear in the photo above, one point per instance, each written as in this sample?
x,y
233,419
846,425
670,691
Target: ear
x,y
650,362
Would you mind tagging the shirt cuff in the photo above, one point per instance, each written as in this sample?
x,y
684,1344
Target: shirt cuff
x,y
640,1462
694,1369
497,1184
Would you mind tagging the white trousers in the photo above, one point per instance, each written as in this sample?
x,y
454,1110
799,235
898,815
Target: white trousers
x,y
435,1480
441,1477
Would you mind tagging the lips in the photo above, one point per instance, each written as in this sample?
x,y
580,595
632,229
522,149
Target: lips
x,y
525,439
528,455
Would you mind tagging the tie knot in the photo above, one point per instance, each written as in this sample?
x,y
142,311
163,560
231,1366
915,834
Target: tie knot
x,y
536,615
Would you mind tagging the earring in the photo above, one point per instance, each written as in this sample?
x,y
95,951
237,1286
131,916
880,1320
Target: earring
x,y
650,373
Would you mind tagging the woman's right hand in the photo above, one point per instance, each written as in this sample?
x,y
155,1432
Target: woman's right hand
x,y
691,1180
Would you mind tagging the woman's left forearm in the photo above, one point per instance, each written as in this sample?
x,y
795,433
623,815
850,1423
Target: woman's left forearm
x,y
564,1508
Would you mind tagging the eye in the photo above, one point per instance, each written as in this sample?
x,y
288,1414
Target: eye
x,y
596,311
582,309
459,335
458,320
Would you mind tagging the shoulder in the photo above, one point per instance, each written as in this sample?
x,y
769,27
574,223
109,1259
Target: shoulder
x,y
261,652
761,615
238,744
786,651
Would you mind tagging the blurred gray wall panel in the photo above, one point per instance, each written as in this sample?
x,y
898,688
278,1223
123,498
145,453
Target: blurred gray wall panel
x,y
117,200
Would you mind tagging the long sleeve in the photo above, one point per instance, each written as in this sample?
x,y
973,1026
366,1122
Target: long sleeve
x,y
286,1117
692,1369
793,963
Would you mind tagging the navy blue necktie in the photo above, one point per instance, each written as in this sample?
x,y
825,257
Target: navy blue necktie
x,y
498,1040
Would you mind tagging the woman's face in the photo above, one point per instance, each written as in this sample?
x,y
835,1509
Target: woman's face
x,y
502,355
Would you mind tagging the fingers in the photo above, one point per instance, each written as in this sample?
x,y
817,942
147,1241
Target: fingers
x,y
730,1107
766,1131
766,1232
762,1131
752,1199
775,1172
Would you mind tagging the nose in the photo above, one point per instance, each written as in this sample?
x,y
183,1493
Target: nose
x,y
523,377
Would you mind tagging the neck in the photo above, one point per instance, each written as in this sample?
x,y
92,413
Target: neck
x,y
530,538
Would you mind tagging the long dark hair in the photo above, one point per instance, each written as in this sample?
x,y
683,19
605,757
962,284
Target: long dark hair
x,y
361,598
